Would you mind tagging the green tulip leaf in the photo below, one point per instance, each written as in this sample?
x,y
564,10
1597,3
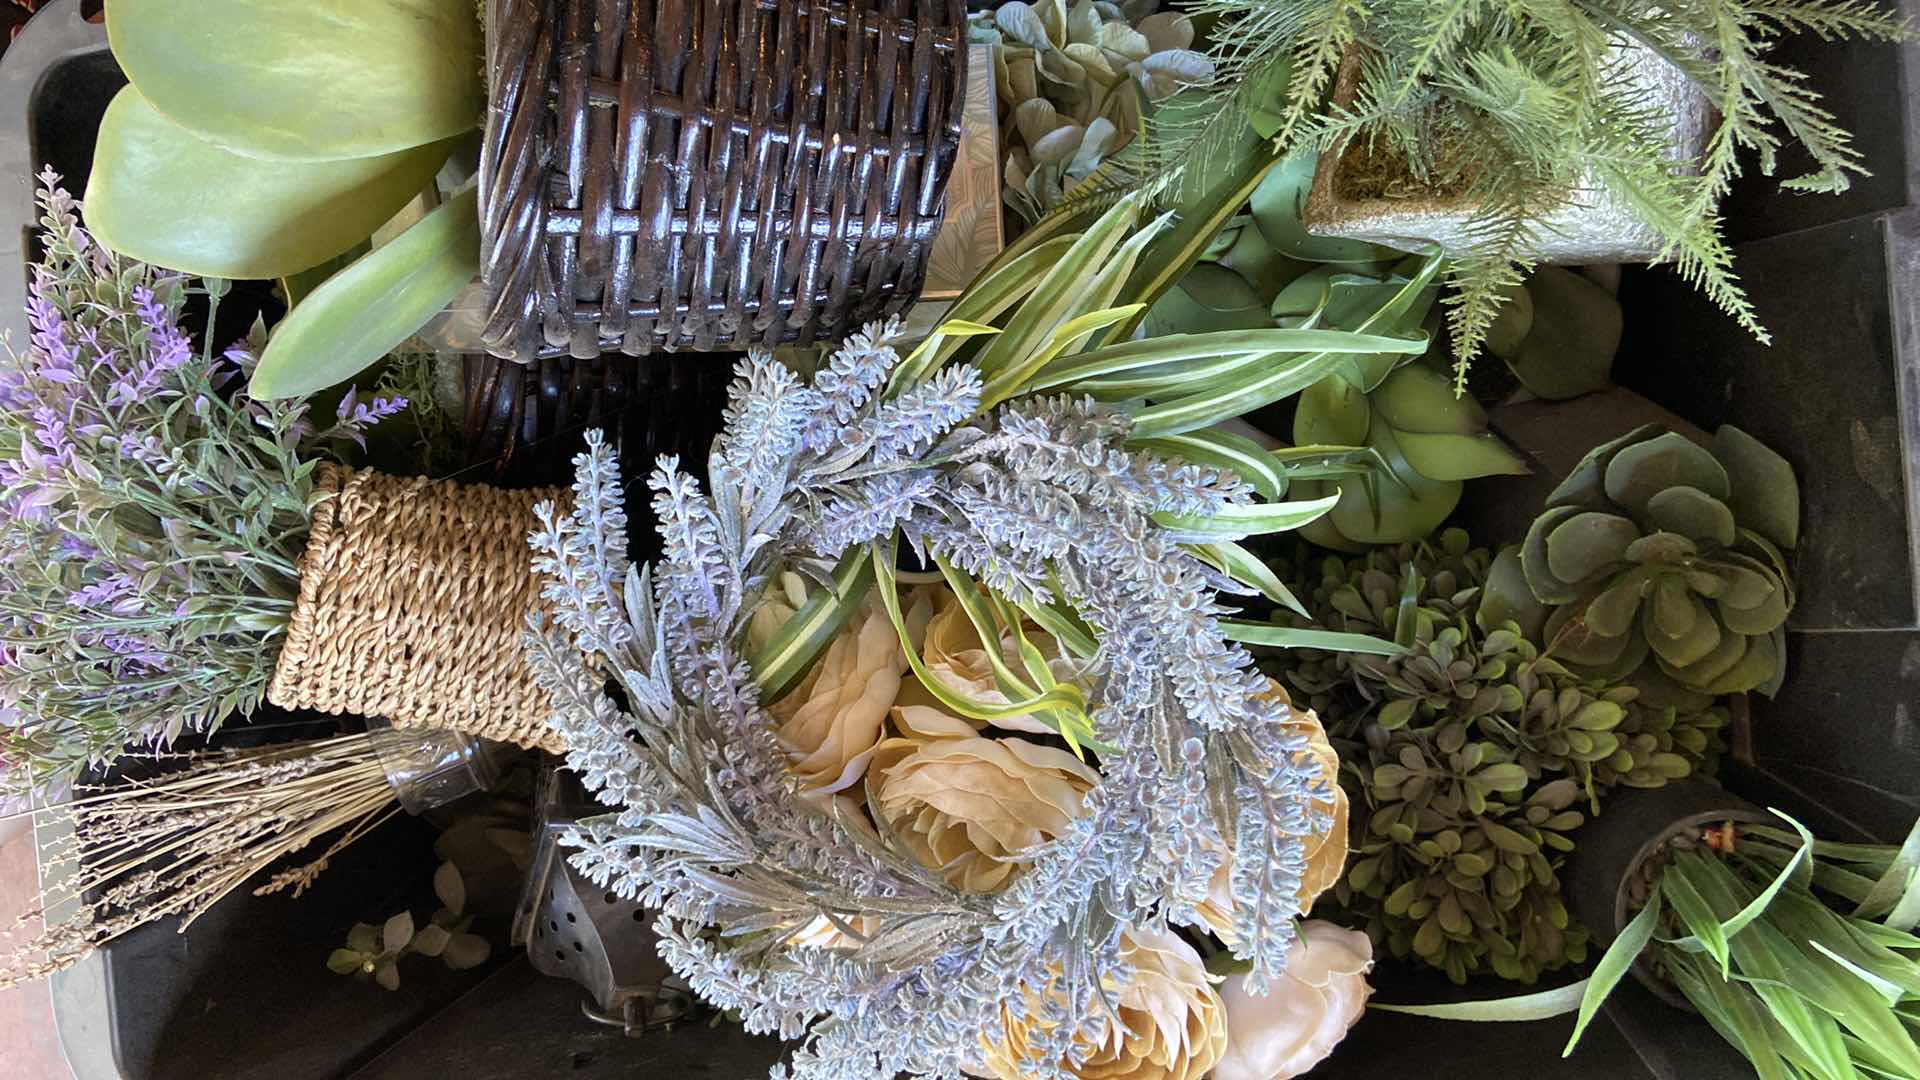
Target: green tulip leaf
x,y
1419,399
364,311
296,80
1277,207
162,196
1332,412
1639,472
1766,497
1394,513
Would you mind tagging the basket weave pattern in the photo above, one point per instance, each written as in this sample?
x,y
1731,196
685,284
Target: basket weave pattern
x,y
414,595
711,174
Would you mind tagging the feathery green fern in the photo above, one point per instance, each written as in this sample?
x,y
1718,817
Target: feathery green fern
x,y
1516,104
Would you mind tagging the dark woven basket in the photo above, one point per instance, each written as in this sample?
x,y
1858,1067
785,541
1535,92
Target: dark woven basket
x,y
674,175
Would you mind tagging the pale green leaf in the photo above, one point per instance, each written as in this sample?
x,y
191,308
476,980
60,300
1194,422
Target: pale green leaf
x,y
1613,966
365,311
304,81
162,196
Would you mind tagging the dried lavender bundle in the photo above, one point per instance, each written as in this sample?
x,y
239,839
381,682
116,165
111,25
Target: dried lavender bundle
x,y
143,850
151,514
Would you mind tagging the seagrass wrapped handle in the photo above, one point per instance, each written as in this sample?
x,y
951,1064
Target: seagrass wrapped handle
x,y
414,595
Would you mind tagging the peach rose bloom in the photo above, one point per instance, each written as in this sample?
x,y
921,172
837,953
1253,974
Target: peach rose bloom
x,y
955,654
1307,1010
1172,1024
964,804
1326,852
832,721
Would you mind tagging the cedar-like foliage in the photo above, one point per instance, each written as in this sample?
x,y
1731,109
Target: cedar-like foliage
x,y
1516,104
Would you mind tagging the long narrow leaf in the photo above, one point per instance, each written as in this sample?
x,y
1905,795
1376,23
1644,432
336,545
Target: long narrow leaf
x,y
1134,355
1544,1005
1283,637
1695,912
1236,521
808,632
998,288
1061,293
1225,450
1249,569
1613,966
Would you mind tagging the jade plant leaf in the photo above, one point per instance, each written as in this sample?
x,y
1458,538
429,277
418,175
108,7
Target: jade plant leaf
x,y
364,311
1692,513
1547,586
160,195
1506,598
302,81
1639,472
1588,543
1766,497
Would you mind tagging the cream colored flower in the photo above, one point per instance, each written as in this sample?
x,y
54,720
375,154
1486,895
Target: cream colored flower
x,y
964,804
823,933
955,654
1307,1010
1172,1026
1326,851
779,605
831,723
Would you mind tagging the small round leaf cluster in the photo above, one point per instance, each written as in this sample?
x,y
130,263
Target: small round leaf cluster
x,y
1471,751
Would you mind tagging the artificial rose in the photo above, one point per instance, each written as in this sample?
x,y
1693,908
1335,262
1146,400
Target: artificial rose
x,y
831,723
963,804
1172,1025
779,605
1326,851
954,654
824,933
1307,1010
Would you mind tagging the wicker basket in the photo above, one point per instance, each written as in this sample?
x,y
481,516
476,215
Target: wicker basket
x,y
613,217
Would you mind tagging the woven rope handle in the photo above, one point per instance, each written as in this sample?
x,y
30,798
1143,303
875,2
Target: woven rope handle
x,y
414,596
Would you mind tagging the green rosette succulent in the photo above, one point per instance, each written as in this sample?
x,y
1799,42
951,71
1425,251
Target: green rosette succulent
x,y
1658,553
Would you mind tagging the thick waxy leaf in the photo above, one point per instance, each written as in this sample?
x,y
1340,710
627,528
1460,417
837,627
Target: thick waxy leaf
x,y
1547,586
1209,298
1639,472
1692,513
1277,206
1572,332
160,195
1766,497
305,81
1588,543
1398,512
1506,598
1585,485
1332,412
1459,457
364,311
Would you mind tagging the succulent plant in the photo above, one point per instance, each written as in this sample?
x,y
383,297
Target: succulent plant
x,y
1557,332
1073,82
1470,750
1457,863
1266,270
375,951
1658,553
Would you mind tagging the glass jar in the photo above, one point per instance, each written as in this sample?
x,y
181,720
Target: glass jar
x,y
431,767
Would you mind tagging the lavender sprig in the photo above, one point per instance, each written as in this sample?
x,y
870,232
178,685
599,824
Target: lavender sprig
x,y
151,515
